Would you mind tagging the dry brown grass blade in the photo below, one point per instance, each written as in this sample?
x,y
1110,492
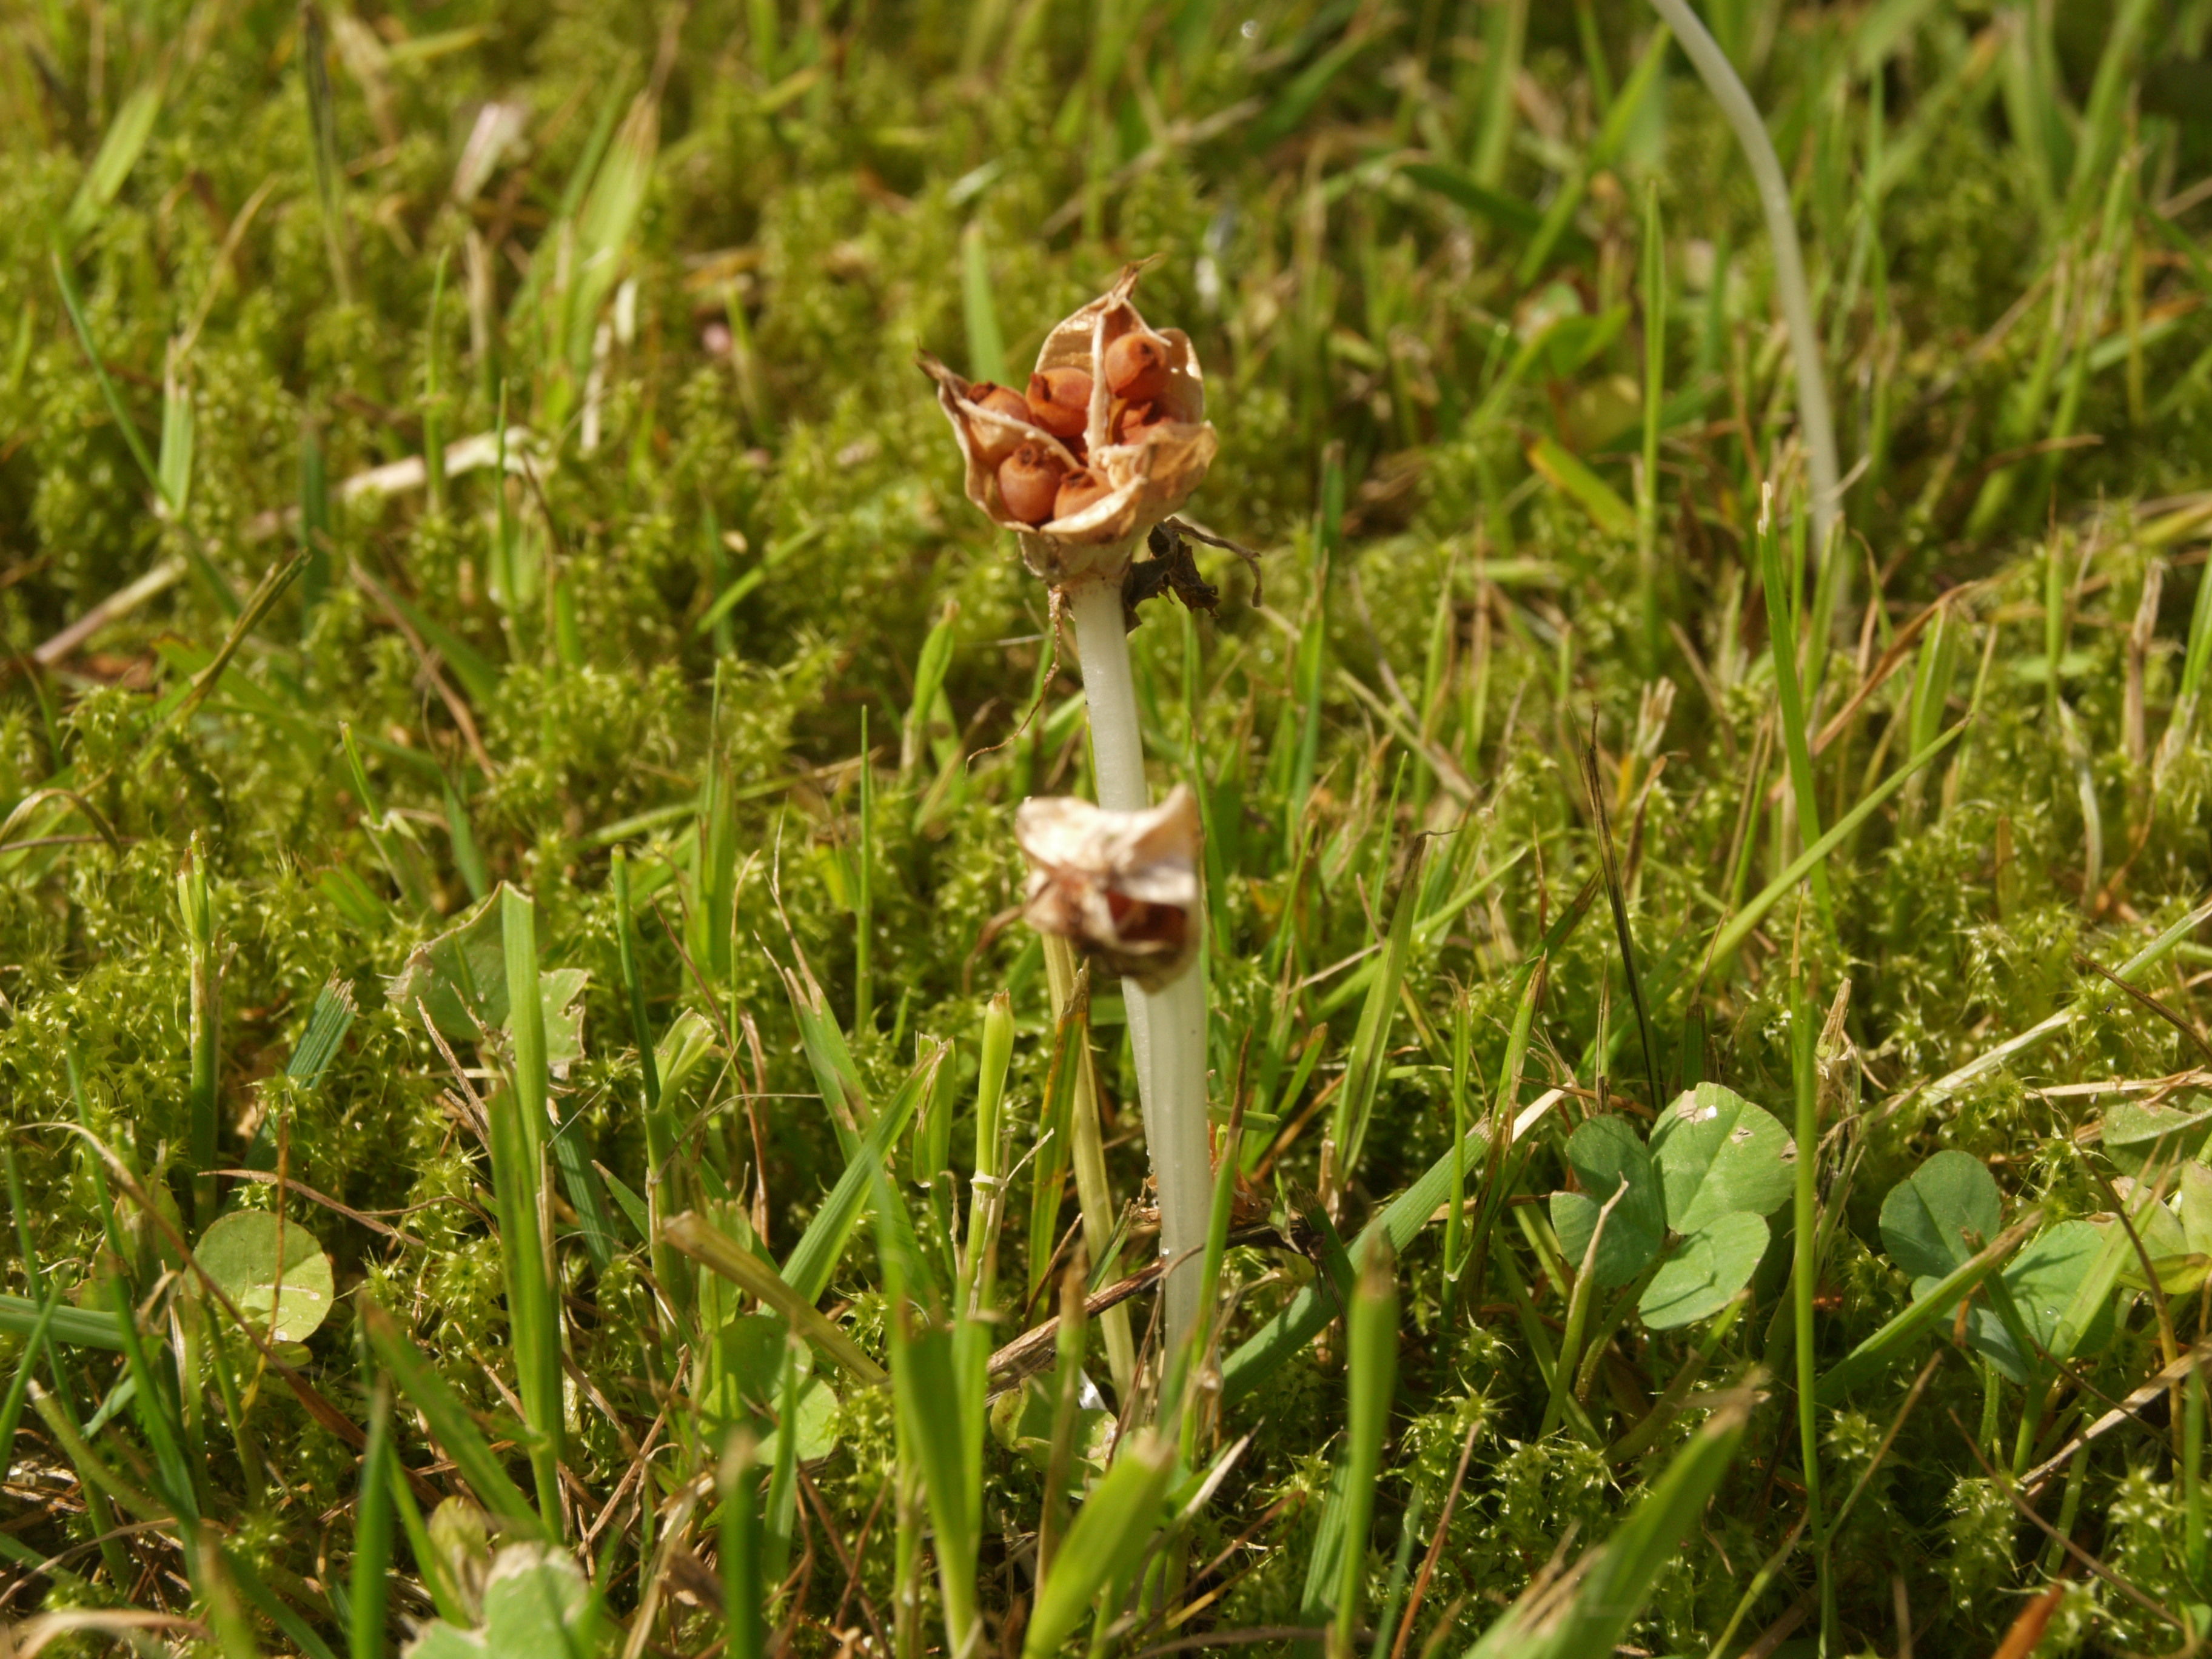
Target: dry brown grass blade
x,y
2026,1632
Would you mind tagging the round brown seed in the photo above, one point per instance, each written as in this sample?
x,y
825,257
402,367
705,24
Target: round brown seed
x,y
993,441
1060,401
1078,490
1137,367
1029,482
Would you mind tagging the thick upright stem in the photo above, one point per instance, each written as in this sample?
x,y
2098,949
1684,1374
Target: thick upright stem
x,y
1167,1027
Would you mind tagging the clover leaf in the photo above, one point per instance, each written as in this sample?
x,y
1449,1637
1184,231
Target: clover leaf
x,y
1717,1153
1937,1217
536,1606
267,1267
1605,1153
1704,1271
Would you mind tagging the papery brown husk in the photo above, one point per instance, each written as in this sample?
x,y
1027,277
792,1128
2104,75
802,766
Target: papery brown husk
x,y
1146,481
1122,887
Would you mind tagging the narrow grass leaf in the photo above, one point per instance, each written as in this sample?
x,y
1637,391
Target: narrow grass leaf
x,y
1108,1536
703,1241
814,1258
1935,1302
449,1421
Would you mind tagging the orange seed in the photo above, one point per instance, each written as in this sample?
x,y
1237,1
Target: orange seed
x,y
1029,481
1060,401
1077,491
1137,367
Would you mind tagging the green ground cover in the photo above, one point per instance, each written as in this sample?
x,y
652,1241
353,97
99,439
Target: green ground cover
x,y
510,964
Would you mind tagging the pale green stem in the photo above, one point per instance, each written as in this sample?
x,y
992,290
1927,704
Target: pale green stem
x,y
1167,1027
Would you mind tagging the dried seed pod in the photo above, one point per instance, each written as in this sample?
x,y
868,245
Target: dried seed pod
x,y
1030,483
1060,401
1123,887
1079,491
1000,437
1137,366
1149,469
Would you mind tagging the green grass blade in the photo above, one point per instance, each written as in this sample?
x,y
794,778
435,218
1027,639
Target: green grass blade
x,y
372,1538
120,146
1109,1534
1941,1300
1588,1610
987,346
703,1241
1737,928
128,426
518,1124
1598,157
1371,1040
450,1423
1782,626
814,1258
1372,1349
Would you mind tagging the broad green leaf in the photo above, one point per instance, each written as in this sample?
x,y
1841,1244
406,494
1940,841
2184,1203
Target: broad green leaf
x,y
2179,1273
747,1372
1566,472
1936,1218
1022,1422
1605,1152
2156,1225
2135,1133
682,1051
1930,1303
2047,1280
241,1254
1705,1271
2197,1206
536,1606
1717,1152
121,146
460,980
2165,1241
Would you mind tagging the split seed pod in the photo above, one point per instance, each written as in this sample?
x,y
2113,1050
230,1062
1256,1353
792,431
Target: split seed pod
x,y
1147,468
1123,887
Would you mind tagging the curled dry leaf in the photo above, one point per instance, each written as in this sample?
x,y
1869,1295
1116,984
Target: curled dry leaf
x,y
1146,446
1123,887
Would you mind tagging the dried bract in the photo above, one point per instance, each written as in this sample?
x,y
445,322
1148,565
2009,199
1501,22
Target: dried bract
x,y
1123,887
1146,465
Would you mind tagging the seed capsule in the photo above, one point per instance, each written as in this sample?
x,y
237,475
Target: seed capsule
x,y
995,440
1029,481
1123,887
1077,491
1137,367
1060,401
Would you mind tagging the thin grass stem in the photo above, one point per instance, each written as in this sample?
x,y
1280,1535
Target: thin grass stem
x,y
1742,115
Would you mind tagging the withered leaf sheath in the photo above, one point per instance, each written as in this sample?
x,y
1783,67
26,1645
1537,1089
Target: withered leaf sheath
x,y
1123,887
1146,468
